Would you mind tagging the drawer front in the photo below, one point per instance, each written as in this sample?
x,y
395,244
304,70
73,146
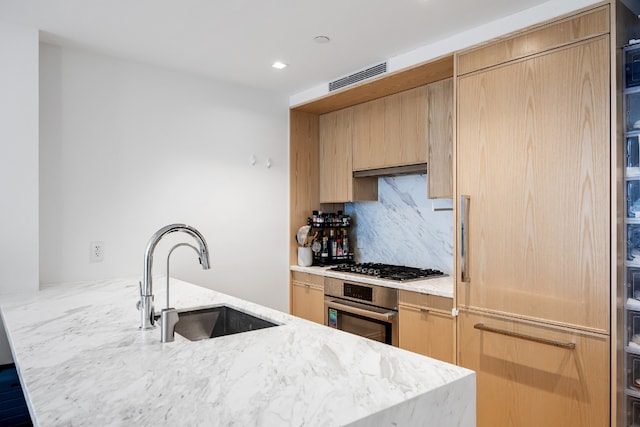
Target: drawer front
x,y
535,378
433,302
311,279
307,301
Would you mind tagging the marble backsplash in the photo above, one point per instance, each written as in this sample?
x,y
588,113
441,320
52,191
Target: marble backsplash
x,y
401,227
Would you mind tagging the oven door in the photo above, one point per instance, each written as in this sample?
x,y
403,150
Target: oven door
x,y
375,323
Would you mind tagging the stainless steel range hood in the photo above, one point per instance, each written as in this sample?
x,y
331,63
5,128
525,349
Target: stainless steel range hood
x,y
419,168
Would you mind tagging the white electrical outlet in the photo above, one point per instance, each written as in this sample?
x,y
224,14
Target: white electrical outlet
x,y
96,251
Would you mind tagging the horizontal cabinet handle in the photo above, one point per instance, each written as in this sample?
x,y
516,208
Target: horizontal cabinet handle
x,y
424,310
567,345
384,316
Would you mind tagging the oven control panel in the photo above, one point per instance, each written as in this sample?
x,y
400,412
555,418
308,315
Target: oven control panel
x,y
364,293
379,296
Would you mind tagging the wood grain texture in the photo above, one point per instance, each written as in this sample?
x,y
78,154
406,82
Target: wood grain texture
x,y
369,135
426,325
405,128
434,302
304,184
336,184
430,333
539,39
391,131
534,156
528,384
307,296
440,139
387,84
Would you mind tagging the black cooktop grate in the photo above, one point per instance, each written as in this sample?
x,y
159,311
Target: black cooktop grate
x,y
390,272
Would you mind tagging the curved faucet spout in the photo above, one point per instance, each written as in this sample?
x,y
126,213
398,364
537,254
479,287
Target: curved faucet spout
x,y
146,287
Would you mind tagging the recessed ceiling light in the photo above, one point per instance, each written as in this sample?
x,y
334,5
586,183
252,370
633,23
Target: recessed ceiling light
x,y
279,65
321,39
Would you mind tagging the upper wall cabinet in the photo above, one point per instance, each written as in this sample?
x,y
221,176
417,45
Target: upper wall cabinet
x,y
408,128
440,139
337,184
391,131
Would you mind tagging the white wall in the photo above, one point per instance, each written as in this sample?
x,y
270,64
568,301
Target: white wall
x,y
18,164
127,148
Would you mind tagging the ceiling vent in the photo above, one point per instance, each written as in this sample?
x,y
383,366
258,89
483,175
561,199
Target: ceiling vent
x,y
354,78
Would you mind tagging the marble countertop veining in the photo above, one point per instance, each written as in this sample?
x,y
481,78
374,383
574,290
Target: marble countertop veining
x,y
83,361
440,286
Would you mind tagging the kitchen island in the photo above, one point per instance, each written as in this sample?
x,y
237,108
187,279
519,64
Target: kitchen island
x,y
82,361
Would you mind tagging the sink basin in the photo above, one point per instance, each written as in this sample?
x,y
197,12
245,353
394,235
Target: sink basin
x,y
218,321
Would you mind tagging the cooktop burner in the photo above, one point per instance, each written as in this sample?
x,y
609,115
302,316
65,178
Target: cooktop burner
x,y
390,272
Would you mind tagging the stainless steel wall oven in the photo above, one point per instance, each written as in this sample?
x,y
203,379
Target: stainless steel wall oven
x,y
367,310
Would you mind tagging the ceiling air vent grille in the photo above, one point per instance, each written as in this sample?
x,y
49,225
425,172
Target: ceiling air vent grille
x,y
376,70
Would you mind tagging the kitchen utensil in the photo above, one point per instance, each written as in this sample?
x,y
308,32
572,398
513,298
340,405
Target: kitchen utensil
x,y
303,233
310,239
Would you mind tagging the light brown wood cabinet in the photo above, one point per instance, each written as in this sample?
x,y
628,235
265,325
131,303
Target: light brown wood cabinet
x,y
426,325
525,383
369,145
337,184
536,169
391,131
307,296
440,139
408,128
533,179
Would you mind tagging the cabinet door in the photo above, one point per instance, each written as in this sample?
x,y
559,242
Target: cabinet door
x,y
369,148
405,127
335,156
440,139
391,131
337,184
534,159
427,332
426,325
524,383
307,297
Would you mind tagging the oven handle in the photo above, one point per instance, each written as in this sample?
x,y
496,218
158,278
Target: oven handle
x,y
385,317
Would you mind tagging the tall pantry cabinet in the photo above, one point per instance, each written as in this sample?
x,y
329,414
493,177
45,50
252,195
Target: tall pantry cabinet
x,y
533,183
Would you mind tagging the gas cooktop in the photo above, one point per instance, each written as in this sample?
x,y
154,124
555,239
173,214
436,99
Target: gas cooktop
x,y
398,273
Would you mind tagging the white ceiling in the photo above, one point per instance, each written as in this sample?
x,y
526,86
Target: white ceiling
x,y
238,40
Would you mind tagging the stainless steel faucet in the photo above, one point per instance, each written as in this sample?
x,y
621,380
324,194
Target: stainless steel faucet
x,y
147,313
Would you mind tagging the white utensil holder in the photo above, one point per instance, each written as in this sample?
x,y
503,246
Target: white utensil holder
x,y
305,256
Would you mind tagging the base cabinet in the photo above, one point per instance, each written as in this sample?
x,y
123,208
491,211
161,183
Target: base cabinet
x,y
307,296
535,375
426,325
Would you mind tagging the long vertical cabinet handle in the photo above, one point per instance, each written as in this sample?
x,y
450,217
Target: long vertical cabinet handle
x,y
464,238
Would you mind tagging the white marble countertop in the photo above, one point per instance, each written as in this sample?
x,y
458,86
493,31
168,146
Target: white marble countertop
x,y
82,361
440,286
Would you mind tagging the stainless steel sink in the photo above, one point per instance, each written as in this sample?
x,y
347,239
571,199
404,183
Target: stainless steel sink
x,y
217,321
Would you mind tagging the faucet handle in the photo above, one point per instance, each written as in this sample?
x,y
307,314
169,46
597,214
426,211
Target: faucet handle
x,y
139,302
